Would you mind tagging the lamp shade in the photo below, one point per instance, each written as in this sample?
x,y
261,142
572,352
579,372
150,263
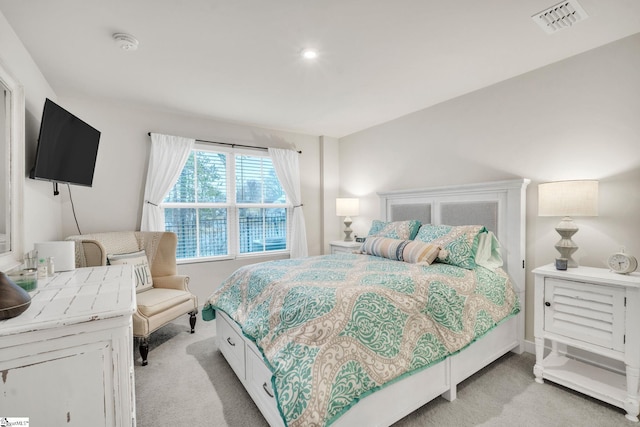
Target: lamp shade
x,y
568,198
347,207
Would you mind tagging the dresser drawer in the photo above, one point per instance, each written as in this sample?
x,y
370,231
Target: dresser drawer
x,y
231,344
587,312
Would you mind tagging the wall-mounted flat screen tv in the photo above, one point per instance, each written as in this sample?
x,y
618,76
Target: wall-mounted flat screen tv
x,y
67,148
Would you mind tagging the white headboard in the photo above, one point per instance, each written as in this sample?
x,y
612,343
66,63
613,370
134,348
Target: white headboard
x,y
498,205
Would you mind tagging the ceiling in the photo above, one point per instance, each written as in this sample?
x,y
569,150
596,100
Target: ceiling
x,y
239,60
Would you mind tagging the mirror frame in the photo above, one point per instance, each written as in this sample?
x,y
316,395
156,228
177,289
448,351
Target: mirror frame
x,y
15,155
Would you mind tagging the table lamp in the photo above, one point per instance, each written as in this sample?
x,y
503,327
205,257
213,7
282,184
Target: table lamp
x,y
347,207
567,199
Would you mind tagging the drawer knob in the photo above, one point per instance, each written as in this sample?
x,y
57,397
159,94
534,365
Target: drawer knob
x,y
548,304
231,343
266,390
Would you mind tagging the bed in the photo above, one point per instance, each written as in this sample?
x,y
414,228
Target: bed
x,y
365,339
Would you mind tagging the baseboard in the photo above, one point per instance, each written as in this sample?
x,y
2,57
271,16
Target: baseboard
x,y
529,347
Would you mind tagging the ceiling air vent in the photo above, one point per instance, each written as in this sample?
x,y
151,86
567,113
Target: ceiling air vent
x,y
563,15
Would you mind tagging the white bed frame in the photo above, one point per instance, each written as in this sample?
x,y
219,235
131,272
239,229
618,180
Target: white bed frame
x,y
498,205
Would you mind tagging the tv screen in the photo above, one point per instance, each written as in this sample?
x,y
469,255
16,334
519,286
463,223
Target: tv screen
x,y
67,148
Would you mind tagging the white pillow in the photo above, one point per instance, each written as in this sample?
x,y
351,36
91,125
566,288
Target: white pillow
x,y
488,253
141,269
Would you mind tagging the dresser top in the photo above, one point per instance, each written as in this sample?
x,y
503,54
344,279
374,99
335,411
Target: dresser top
x,y
71,297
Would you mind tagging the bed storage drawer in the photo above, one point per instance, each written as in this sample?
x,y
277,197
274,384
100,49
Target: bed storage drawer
x,y
260,386
231,344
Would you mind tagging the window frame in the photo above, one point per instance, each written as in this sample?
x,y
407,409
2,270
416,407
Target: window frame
x,y
232,207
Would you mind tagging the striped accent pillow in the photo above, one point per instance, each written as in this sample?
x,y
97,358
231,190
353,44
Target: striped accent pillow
x,y
384,247
416,252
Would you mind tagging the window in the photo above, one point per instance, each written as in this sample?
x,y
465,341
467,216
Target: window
x,y
226,204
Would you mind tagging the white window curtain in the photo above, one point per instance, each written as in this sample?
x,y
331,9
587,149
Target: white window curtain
x,y
168,156
287,167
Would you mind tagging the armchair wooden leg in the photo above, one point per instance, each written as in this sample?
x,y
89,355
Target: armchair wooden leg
x,y
144,349
192,320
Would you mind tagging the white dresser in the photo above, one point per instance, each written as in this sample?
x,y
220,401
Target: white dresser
x,y
68,359
594,310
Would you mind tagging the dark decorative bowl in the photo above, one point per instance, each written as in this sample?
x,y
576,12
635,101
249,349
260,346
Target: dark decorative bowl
x,y
13,299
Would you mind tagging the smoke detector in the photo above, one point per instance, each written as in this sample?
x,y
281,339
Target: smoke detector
x,y
126,41
561,16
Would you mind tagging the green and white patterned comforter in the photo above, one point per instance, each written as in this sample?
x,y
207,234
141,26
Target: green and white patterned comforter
x,y
336,328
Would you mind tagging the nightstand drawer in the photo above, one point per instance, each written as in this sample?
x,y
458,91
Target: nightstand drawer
x,y
587,312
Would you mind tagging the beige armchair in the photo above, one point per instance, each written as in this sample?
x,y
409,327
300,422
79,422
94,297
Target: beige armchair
x,y
166,299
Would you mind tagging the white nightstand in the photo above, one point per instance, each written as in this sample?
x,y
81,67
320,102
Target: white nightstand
x,y
595,310
340,246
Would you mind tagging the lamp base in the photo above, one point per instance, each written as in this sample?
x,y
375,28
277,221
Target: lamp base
x,y
567,228
347,230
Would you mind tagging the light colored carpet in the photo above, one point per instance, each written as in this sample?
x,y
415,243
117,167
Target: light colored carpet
x,y
189,383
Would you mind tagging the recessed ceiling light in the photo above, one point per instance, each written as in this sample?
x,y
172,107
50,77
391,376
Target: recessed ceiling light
x,y
309,54
126,41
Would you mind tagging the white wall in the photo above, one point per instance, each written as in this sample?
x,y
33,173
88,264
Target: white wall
x,y
42,218
576,119
114,202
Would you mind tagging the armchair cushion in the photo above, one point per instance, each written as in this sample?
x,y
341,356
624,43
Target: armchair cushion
x,y
140,270
160,300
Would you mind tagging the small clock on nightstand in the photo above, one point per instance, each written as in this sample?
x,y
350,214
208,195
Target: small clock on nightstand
x,y
622,263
